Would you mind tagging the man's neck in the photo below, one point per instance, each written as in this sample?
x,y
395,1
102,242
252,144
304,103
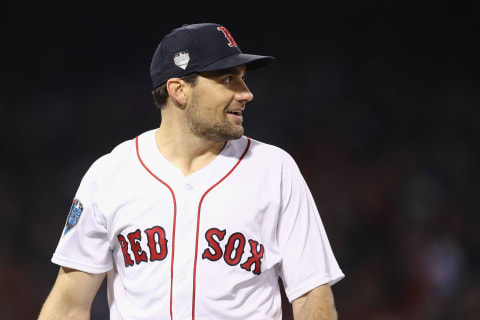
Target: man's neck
x,y
185,150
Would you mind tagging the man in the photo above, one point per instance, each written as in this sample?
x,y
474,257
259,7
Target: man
x,y
195,220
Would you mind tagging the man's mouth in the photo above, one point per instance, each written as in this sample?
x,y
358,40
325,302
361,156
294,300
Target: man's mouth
x,y
237,114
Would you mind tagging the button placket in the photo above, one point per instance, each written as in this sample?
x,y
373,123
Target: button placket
x,y
189,195
184,250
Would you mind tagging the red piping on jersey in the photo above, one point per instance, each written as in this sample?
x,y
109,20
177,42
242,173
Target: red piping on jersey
x,y
198,224
174,221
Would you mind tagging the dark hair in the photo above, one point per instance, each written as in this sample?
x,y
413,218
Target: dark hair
x,y
160,94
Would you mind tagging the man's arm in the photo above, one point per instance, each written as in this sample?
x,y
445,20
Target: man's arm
x,y
72,295
317,304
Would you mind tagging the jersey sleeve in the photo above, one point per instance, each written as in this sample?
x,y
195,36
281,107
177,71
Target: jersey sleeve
x,y
84,241
307,258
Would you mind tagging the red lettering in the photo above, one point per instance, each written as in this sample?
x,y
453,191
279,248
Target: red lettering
x,y
152,235
230,248
255,258
124,247
214,244
134,239
228,35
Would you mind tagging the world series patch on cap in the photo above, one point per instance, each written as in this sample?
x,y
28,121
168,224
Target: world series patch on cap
x,y
198,48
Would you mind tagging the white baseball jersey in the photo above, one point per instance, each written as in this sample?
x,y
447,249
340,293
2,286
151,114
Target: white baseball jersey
x,y
207,246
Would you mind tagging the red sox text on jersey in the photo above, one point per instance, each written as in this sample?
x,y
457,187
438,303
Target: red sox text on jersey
x,y
234,248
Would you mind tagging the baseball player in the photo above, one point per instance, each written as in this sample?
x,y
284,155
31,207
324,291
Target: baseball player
x,y
194,220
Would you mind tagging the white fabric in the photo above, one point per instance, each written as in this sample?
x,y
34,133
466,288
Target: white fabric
x,y
264,201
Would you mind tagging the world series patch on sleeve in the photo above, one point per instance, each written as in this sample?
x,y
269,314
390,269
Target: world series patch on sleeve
x,y
74,215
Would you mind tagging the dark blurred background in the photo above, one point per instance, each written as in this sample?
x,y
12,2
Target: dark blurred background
x,y
377,102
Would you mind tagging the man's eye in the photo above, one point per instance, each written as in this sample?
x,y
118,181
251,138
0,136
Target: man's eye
x,y
228,79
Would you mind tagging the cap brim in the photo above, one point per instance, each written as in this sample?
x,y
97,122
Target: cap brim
x,y
251,61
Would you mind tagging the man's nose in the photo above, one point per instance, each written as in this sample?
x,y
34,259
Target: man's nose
x,y
244,94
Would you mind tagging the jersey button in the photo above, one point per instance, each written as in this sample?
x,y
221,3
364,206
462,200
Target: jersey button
x,y
189,186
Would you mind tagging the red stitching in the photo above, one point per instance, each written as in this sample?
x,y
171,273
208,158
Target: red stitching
x,y
198,224
174,222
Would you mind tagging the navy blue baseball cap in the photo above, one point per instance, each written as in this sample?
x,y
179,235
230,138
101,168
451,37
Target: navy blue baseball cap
x,y
198,48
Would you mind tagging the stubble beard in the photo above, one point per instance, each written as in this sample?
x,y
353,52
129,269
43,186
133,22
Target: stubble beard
x,y
204,124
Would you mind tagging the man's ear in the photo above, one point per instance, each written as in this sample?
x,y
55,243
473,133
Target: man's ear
x,y
176,91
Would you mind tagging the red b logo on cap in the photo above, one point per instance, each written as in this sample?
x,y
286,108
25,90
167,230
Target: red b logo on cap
x,y
228,35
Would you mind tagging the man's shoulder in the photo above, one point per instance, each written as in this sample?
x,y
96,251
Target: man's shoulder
x,y
268,153
121,155
268,149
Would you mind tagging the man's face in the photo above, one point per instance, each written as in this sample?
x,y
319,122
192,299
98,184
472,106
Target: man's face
x,y
214,110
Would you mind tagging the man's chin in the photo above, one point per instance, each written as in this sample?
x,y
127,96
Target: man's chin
x,y
238,133
224,136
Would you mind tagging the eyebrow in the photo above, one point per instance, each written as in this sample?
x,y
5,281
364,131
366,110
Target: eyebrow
x,y
234,70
